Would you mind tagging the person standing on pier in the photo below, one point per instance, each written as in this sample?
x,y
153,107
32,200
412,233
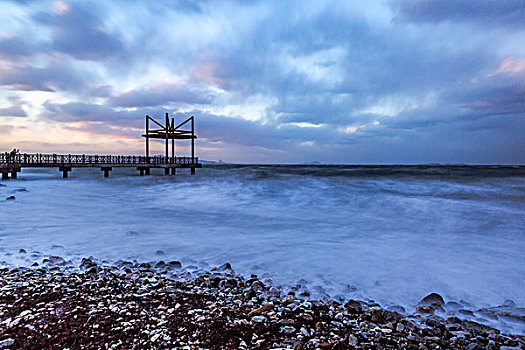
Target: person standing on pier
x,y
12,155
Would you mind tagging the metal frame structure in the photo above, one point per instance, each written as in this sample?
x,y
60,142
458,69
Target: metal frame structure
x,y
170,132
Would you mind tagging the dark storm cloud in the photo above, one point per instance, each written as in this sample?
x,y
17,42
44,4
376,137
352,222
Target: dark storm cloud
x,y
101,90
12,111
104,120
13,48
508,13
54,77
87,112
79,32
238,131
162,95
373,64
495,96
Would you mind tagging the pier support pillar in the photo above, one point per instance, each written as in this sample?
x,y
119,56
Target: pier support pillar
x,y
141,171
147,171
106,171
192,171
5,175
172,171
14,174
166,171
65,171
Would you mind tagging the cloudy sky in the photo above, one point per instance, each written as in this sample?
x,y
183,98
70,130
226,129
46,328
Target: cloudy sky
x,y
406,81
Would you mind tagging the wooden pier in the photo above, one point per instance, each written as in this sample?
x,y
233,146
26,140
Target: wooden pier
x,y
12,163
65,163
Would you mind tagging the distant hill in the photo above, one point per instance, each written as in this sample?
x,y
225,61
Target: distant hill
x,y
212,162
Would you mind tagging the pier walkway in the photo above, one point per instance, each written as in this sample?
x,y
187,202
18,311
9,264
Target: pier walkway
x,y
65,163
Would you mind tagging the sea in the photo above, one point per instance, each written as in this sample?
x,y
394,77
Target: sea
x,y
391,234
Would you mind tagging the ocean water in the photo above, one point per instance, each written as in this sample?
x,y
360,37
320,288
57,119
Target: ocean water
x,y
388,233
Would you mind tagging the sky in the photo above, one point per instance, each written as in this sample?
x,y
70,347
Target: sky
x,y
405,81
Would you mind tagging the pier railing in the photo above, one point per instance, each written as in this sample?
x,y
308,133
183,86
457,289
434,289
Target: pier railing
x,y
38,159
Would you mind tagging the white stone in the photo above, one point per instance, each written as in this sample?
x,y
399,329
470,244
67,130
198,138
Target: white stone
x,y
6,342
352,340
258,319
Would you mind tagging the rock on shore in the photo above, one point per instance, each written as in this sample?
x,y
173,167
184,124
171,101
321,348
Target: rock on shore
x,y
140,305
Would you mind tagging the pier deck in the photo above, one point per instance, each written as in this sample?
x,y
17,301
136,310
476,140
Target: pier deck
x,y
65,163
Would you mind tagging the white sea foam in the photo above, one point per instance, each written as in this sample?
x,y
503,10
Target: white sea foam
x,y
396,234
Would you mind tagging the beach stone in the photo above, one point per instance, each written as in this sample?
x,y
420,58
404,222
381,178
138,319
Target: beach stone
x,y
433,299
340,298
488,314
286,321
10,198
354,306
510,303
288,329
415,339
298,346
228,283
478,328
376,315
6,342
391,316
466,312
175,264
56,260
260,310
92,271
397,308
425,310
258,319
304,332
325,346
352,340
160,253
453,320
87,263
214,281
160,264
516,317
22,251
453,305
225,266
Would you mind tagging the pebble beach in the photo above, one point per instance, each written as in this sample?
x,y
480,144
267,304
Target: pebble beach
x,y
57,304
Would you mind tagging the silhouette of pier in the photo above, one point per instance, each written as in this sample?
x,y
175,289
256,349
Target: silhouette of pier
x,y
12,163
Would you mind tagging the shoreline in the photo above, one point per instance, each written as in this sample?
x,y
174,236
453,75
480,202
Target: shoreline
x,y
143,305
